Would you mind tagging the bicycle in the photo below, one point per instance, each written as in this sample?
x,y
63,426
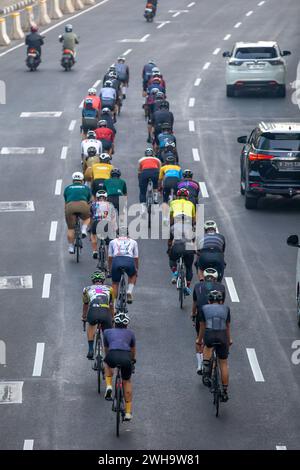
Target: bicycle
x,y
181,281
215,386
102,256
98,354
149,200
118,404
78,236
121,304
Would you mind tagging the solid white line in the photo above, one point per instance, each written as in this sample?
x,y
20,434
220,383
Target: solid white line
x,y
28,444
46,286
97,83
191,102
216,51
22,150
38,362
237,25
64,150
249,13
203,189
53,230
40,114
81,104
127,52
16,206
205,66
227,37
72,125
196,155
58,185
255,365
197,81
144,38
232,290
260,3
176,14
281,448
192,126
191,5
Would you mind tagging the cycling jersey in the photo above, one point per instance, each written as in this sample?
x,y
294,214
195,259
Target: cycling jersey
x,y
101,210
121,339
123,246
212,242
104,133
97,295
101,170
115,187
147,163
182,206
165,138
108,93
122,72
216,316
96,102
77,192
170,171
87,143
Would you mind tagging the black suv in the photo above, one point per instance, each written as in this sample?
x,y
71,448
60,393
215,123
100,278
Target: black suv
x,y
270,161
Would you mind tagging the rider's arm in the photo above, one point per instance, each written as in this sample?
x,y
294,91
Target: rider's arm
x,y
84,310
194,308
201,333
133,353
76,39
61,38
136,262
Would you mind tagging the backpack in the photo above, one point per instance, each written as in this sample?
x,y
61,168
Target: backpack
x,y
89,113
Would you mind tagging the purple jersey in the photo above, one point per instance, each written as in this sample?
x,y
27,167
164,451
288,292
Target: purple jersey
x,y
119,338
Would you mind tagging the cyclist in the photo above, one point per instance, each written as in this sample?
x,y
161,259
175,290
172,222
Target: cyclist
x,y
200,298
88,162
190,184
210,250
120,349
146,74
116,83
101,172
169,176
148,106
122,70
176,249
97,307
77,197
123,254
149,167
108,96
106,115
102,211
215,328
160,117
110,69
89,117
90,141
92,94
116,187
166,141
106,136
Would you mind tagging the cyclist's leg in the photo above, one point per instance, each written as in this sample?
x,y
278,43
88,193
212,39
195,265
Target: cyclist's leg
x,y
188,259
143,182
94,238
92,317
207,352
85,217
70,220
126,369
109,365
116,274
222,353
131,273
154,177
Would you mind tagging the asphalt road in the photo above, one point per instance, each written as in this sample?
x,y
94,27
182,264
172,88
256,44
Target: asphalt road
x,y
172,410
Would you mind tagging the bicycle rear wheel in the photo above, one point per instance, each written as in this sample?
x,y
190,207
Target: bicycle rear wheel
x,y
216,388
181,288
118,406
77,249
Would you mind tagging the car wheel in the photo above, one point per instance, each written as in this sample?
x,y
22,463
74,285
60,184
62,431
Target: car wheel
x,y
230,91
281,93
251,202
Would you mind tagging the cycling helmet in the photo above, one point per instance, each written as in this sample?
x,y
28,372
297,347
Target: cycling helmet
x,y
170,158
92,151
151,62
68,28
102,123
149,152
183,192
121,59
112,68
160,95
210,225
155,70
210,272
154,91
91,135
123,231
77,176
108,84
121,319
166,126
105,158
101,193
170,146
115,173
98,276
188,174
105,111
164,105
34,28
112,74
215,295
92,91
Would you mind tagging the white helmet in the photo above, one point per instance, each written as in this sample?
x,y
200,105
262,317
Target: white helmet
x,y
92,91
105,157
122,319
77,176
210,225
210,272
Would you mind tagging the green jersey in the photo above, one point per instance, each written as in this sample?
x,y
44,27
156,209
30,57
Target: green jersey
x,y
115,187
77,192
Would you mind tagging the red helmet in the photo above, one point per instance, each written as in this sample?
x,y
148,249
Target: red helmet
x,y
183,192
34,28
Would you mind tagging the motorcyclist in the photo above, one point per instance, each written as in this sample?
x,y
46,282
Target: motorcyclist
x,y
34,40
69,39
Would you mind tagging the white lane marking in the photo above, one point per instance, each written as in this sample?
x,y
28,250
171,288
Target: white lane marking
x,y
191,102
203,189
38,362
22,150
53,230
197,81
216,51
58,185
28,444
39,114
127,52
191,5
16,206
176,14
192,126
237,25
163,23
255,365
249,13
227,37
232,290
58,24
96,84
206,66
144,38
11,392
196,155
64,150
16,282
72,125
260,3
281,447
81,104
46,286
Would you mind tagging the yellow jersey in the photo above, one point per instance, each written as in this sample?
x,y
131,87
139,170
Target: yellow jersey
x,y
101,170
182,206
170,171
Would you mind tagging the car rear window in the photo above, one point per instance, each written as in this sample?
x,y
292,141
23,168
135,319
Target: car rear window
x,y
284,142
247,53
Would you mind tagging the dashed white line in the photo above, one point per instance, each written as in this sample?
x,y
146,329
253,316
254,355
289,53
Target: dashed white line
x,y
64,151
206,66
72,125
281,447
203,189
227,37
249,13
38,362
22,150
176,14
255,365
237,25
216,51
197,81
53,230
191,102
40,114
96,84
16,206
192,126
46,286
261,3
127,52
163,23
232,290
16,282
28,444
191,5
58,185
196,155
144,38
81,104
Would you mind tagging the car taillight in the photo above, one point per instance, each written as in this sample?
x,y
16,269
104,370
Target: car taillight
x,y
276,62
235,62
259,156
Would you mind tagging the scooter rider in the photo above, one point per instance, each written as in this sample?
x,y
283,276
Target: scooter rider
x,y
34,40
69,39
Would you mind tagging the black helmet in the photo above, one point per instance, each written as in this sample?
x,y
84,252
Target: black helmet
x,y
68,28
98,276
108,84
149,152
170,158
159,96
166,126
188,174
115,173
164,104
215,295
92,151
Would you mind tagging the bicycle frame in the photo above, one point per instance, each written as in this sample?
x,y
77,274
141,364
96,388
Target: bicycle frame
x,y
99,355
215,380
118,401
102,256
149,200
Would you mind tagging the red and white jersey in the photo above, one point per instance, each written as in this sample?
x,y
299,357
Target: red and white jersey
x,y
86,143
149,163
123,246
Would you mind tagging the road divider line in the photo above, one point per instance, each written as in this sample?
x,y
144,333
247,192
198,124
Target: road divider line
x,y
197,81
191,5
28,444
280,447
237,25
192,126
176,14
38,362
162,24
203,189
191,102
72,125
16,206
22,150
64,152
46,286
127,52
96,84
144,38
58,186
53,230
196,155
261,3
81,104
216,51
41,114
249,13
206,66
227,37
232,290
16,282
255,365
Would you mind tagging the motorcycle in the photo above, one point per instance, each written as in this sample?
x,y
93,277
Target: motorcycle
x,y
33,59
149,13
67,60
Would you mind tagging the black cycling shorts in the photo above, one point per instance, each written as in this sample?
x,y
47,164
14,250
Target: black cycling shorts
x,y
120,262
118,357
169,183
99,315
218,336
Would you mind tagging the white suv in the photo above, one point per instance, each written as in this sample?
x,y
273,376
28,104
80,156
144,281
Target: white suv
x,y
256,65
